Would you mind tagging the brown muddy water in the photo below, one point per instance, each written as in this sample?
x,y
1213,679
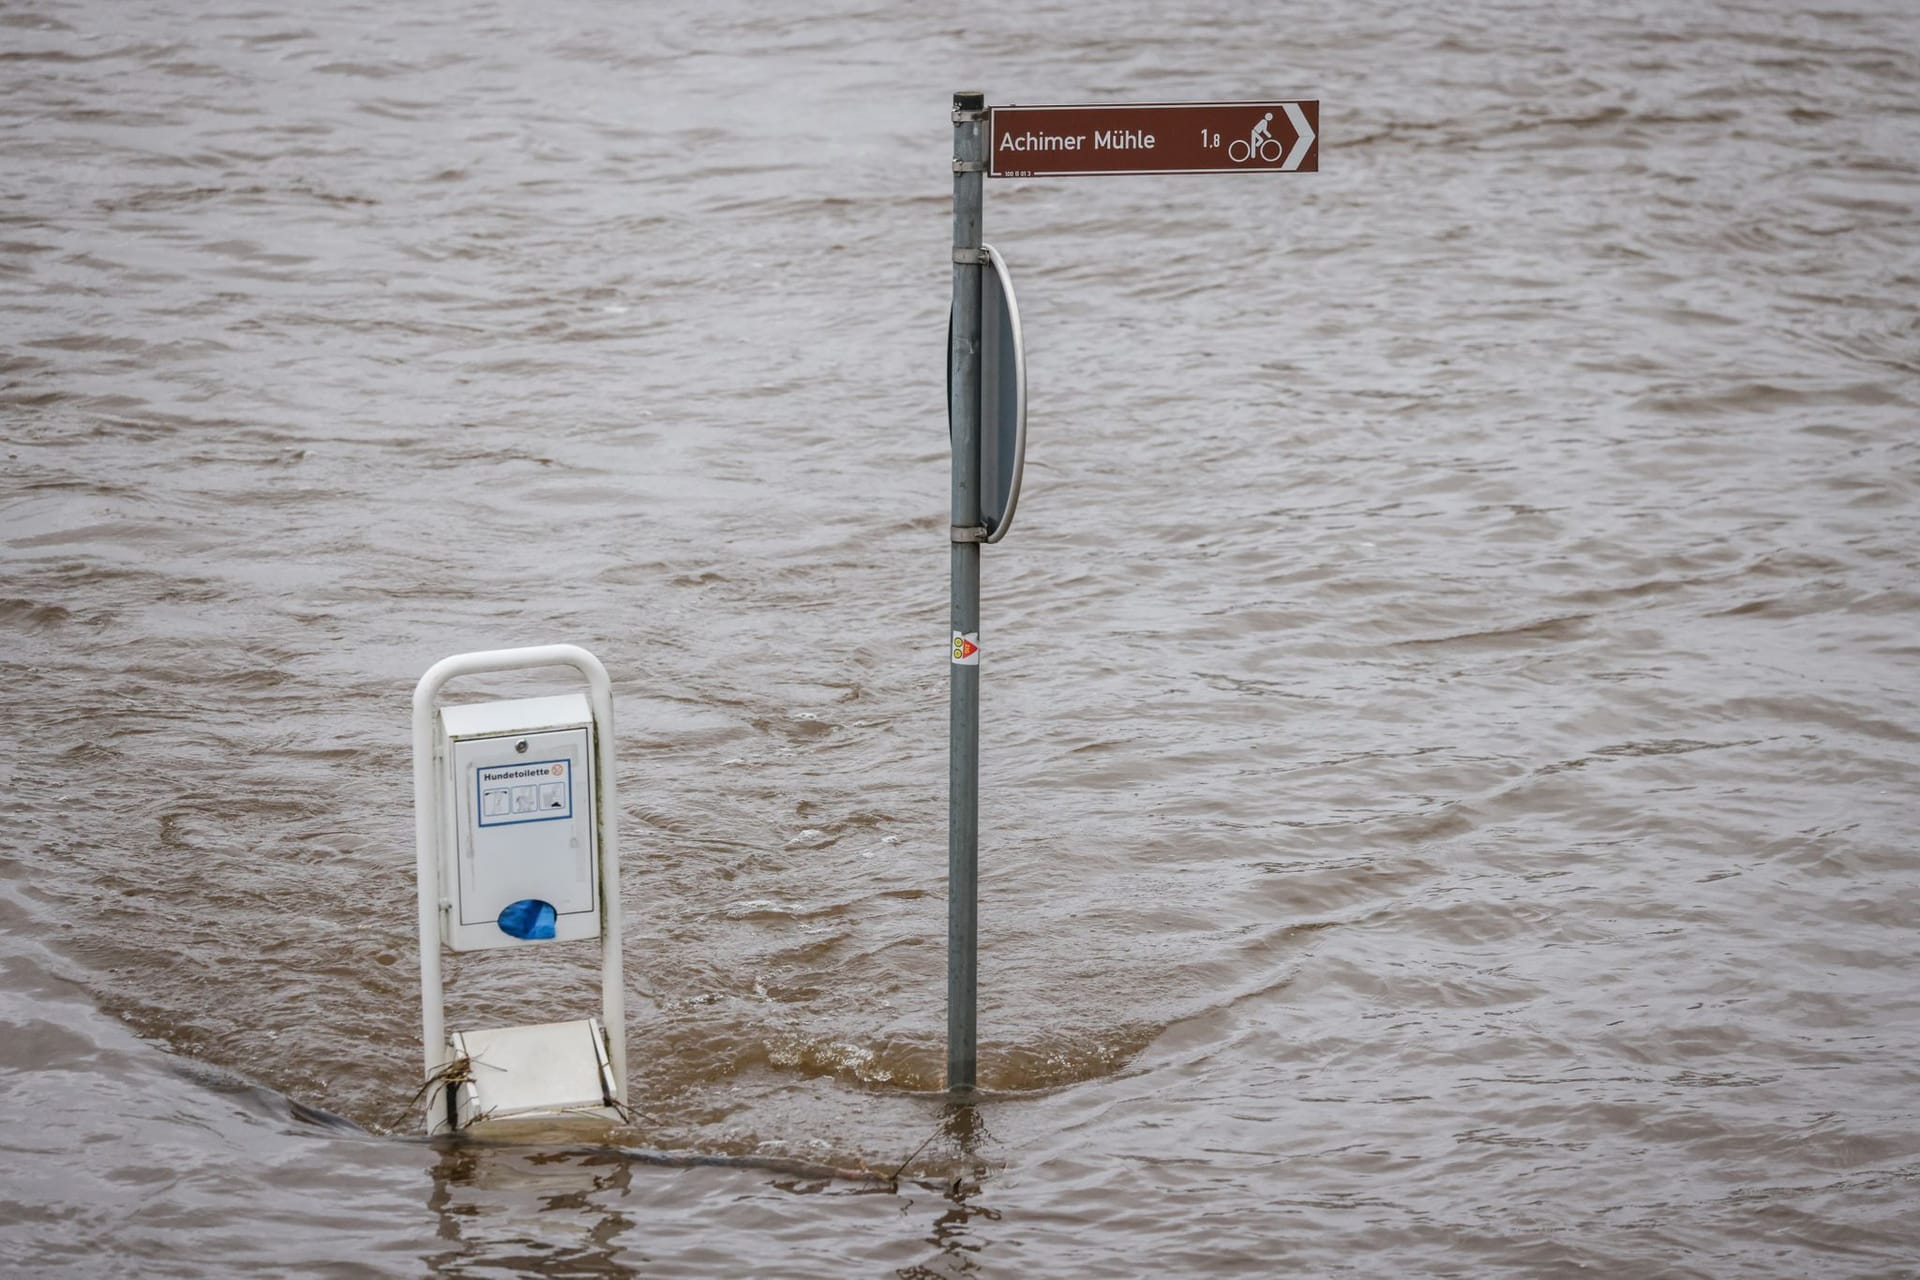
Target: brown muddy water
x,y
1451,696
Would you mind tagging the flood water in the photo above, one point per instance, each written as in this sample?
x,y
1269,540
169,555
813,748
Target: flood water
x,y
1451,695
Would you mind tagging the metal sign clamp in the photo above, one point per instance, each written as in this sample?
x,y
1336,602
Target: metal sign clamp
x,y
969,166
972,533
972,257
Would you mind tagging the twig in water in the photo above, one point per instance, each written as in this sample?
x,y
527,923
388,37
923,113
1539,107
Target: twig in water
x,y
893,1179
452,1074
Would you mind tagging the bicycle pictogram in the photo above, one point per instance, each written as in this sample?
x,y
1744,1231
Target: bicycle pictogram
x,y
1241,150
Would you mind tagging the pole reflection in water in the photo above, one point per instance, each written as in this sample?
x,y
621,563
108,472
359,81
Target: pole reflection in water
x,y
958,1248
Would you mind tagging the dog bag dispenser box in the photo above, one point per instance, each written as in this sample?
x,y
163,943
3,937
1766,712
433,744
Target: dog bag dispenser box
x,y
517,844
523,864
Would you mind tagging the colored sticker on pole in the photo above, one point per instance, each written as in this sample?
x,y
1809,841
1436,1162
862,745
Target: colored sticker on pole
x,y
966,649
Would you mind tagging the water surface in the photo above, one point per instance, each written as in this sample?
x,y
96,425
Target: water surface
x,y
1450,694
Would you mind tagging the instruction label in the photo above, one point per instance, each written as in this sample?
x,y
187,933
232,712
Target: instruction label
x,y
533,791
966,648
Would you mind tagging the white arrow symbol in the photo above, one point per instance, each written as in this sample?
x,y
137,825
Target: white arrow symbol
x,y
1300,126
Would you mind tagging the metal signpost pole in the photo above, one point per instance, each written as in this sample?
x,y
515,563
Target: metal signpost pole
x,y
987,395
963,767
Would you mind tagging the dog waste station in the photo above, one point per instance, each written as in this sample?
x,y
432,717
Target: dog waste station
x,y
517,845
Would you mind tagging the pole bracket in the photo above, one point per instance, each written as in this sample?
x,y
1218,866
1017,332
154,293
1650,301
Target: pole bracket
x,y
969,166
967,533
971,117
972,257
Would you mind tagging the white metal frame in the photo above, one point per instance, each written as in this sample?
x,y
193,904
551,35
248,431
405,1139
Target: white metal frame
x,y
428,834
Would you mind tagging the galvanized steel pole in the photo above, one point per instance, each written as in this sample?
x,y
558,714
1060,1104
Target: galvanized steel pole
x,y
963,762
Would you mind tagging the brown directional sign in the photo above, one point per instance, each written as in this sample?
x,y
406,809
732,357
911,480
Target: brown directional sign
x,y
1155,137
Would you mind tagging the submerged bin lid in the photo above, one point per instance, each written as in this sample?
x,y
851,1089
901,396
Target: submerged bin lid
x,y
551,1069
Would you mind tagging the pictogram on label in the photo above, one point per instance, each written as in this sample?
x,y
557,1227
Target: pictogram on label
x,y
534,792
966,649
